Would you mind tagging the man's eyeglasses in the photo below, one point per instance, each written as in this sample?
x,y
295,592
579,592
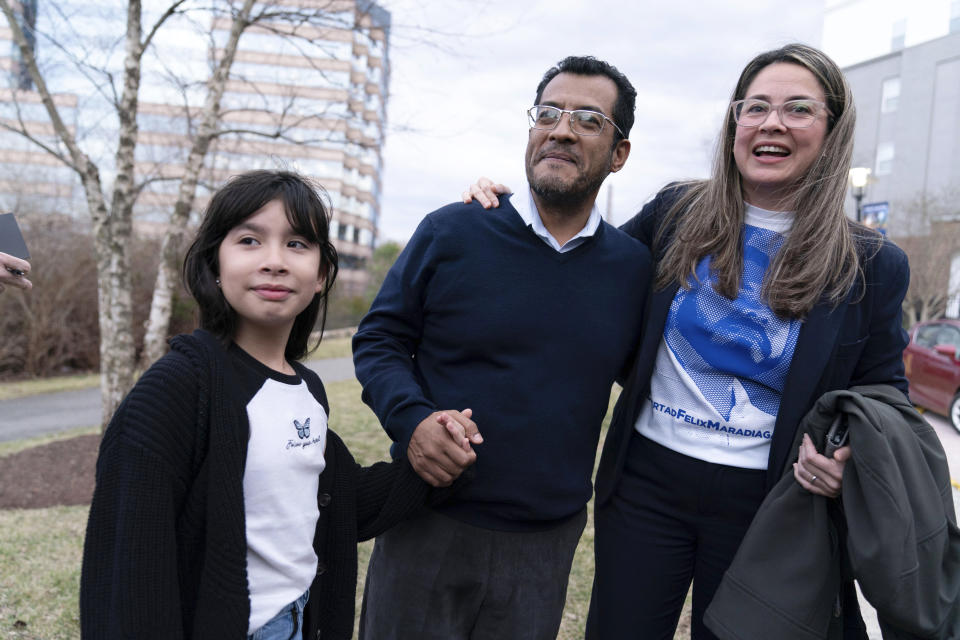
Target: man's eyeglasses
x,y
794,114
582,121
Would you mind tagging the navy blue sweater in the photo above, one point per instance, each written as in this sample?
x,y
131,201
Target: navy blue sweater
x,y
479,312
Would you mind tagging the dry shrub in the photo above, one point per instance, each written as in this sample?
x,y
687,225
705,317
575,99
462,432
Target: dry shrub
x,y
345,309
53,329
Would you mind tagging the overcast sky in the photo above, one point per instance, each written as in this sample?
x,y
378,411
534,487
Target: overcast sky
x,y
457,111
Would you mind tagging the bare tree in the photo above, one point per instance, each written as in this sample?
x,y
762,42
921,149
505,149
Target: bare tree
x,y
112,223
297,27
55,325
931,241
160,308
112,217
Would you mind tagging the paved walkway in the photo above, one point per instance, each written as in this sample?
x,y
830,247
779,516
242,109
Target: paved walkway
x,y
54,412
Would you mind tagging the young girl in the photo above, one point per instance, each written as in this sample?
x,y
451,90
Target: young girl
x,y
224,507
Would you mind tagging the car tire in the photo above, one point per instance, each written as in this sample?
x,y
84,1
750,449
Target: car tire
x,y
953,413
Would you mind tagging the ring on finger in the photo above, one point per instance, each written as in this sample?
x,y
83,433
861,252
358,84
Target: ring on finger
x,y
813,478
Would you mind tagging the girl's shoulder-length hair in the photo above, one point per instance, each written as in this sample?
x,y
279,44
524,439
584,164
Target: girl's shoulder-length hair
x,y
305,204
819,260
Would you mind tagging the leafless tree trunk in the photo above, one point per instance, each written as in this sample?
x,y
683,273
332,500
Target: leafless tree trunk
x,y
162,304
112,217
111,225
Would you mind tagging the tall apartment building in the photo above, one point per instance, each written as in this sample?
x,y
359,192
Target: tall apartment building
x,y
308,95
30,179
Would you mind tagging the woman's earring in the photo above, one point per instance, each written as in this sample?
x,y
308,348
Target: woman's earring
x,y
218,282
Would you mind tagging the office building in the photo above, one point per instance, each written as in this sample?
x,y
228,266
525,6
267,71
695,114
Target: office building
x,y
308,95
905,77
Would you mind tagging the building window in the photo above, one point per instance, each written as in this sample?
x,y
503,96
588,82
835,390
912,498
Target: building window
x,y
348,261
890,95
341,231
955,16
898,34
884,159
356,235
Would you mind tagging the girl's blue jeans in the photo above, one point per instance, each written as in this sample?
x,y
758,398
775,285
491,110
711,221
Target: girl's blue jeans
x,y
286,625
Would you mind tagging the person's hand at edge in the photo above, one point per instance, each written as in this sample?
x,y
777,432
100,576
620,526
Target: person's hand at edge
x,y
14,272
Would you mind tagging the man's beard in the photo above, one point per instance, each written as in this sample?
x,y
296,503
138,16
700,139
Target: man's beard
x,y
563,195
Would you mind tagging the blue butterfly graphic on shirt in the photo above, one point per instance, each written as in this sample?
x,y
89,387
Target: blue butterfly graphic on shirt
x,y
303,430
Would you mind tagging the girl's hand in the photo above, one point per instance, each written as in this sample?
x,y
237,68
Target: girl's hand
x,y
461,428
819,474
485,192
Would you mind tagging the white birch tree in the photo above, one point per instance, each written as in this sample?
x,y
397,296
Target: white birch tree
x,y
111,213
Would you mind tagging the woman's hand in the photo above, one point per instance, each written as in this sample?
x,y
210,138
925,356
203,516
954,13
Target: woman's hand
x,y
485,192
819,474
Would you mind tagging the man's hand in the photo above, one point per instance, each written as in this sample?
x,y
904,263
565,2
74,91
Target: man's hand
x,y
440,448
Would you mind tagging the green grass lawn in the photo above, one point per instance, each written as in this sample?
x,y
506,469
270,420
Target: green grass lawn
x,y
40,549
21,388
40,572
332,348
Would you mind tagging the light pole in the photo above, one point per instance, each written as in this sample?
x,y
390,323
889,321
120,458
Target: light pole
x,y
858,184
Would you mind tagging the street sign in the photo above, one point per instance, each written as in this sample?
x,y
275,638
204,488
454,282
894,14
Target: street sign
x,y
874,215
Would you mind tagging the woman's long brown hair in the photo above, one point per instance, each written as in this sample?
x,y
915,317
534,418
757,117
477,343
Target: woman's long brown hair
x,y
818,261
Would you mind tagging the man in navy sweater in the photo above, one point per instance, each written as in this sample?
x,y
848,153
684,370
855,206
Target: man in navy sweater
x,y
519,319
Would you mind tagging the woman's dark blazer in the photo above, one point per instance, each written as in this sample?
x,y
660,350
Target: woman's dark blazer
x,y
858,342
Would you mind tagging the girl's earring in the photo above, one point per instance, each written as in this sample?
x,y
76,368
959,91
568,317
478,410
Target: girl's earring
x,y
218,282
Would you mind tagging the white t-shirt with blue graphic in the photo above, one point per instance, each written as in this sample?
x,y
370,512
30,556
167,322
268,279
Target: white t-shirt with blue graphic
x,y
285,457
721,365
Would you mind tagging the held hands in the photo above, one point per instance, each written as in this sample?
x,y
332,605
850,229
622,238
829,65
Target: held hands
x,y
819,474
14,272
485,192
440,448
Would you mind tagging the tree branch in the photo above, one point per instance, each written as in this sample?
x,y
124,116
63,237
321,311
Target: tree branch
x,y
53,152
80,161
171,11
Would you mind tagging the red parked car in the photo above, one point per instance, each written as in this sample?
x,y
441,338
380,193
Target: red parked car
x,y
932,362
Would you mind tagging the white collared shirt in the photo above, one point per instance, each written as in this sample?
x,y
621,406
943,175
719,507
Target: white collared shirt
x,y
527,209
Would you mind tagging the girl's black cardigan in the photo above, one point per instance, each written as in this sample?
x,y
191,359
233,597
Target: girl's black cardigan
x,y
165,551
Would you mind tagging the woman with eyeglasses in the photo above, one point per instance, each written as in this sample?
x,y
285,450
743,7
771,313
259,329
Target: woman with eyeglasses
x,y
765,297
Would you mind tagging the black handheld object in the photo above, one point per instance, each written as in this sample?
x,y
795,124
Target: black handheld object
x,y
11,240
837,435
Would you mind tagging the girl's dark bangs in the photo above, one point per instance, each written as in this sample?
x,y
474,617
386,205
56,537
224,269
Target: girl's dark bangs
x,y
303,214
